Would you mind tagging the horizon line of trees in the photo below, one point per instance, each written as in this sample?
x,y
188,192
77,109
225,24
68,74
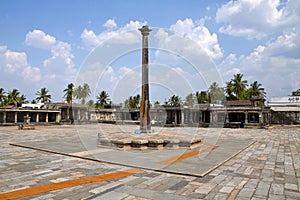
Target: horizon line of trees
x,y
236,89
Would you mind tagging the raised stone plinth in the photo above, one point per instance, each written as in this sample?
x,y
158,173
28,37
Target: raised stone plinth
x,y
130,141
26,127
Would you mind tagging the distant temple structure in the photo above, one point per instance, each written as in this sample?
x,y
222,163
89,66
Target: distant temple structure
x,y
243,114
285,110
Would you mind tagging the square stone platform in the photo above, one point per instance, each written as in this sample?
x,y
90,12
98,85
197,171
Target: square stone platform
x,y
213,150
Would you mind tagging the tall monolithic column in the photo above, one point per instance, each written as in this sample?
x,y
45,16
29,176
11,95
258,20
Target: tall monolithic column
x,y
145,125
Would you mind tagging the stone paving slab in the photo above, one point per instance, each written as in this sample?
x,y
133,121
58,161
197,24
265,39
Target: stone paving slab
x,y
268,169
197,165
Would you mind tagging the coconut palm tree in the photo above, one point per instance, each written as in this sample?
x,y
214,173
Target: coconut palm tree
x,y
256,90
216,93
2,97
236,86
102,99
43,95
77,93
22,99
82,92
296,92
202,97
190,100
156,104
13,97
86,92
90,103
175,100
69,93
133,102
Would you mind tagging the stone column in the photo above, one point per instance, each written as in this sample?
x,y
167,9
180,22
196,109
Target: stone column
x,y
47,117
191,117
16,117
4,117
68,114
57,118
182,116
37,118
145,124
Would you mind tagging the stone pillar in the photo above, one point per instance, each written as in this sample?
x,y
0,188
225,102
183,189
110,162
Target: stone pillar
x,y
37,117
145,124
200,117
47,117
57,118
68,113
175,117
4,117
246,118
191,117
16,117
182,117
87,114
260,116
78,114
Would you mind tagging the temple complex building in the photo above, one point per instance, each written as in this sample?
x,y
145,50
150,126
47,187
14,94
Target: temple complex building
x,y
285,110
240,114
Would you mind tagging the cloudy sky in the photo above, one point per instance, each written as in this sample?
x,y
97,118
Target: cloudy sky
x,y
193,43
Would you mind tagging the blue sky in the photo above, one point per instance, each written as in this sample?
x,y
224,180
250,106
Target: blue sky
x,y
47,43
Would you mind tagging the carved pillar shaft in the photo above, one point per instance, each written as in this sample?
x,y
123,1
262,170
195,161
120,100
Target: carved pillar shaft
x,y
145,125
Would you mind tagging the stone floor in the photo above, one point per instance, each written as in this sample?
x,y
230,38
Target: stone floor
x,y
268,169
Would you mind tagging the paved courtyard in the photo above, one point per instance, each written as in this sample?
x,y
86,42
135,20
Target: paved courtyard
x,y
267,168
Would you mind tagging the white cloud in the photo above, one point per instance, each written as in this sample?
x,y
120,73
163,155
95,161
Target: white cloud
x,y
257,19
31,73
11,61
61,61
89,38
110,24
121,34
275,65
38,38
15,65
60,64
200,34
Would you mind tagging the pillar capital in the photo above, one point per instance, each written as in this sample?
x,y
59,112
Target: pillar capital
x,y
145,30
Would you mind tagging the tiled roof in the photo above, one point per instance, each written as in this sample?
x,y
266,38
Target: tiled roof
x,y
239,103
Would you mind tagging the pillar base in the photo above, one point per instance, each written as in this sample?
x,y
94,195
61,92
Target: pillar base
x,y
146,131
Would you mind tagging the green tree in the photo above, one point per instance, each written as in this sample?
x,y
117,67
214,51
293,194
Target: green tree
x,y
236,87
22,99
216,93
86,92
90,103
2,97
77,93
82,92
190,100
69,93
256,90
13,97
174,101
133,102
43,95
296,93
202,97
102,99
156,104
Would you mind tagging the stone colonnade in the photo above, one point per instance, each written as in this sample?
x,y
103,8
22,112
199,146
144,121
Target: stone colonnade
x,y
17,116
